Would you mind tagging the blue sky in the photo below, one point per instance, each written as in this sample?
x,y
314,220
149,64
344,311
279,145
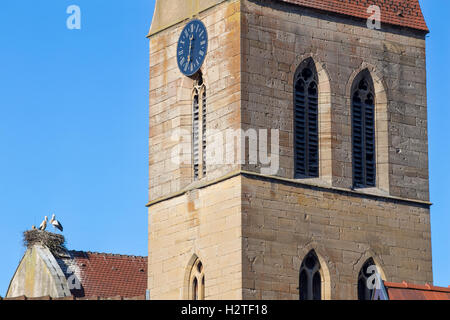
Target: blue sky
x,y
74,126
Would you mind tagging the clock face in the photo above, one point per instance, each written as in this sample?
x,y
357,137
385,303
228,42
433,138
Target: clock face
x,y
192,47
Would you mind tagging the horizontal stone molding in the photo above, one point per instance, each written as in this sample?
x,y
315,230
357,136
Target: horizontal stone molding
x,y
298,183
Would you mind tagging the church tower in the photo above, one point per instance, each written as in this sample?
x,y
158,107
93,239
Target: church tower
x,y
288,148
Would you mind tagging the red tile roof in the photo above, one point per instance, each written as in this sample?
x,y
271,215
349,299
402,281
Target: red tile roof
x,y
404,13
407,291
108,275
75,298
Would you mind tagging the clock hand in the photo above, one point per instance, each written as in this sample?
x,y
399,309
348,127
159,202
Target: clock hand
x,y
190,47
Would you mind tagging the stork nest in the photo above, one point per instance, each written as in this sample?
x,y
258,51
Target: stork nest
x,y
55,242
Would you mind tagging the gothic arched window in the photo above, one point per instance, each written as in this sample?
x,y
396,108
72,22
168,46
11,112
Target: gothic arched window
x,y
197,281
363,131
306,126
364,292
310,278
199,130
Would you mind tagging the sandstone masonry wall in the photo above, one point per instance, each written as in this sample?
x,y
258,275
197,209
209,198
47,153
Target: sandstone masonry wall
x,y
277,37
205,223
282,222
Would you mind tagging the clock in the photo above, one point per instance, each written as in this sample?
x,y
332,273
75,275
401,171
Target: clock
x,y
192,47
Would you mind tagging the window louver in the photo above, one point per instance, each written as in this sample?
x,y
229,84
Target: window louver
x,y
195,136
204,133
306,128
363,127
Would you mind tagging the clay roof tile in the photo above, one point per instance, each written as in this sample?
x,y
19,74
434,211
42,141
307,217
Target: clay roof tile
x,y
409,291
403,13
110,275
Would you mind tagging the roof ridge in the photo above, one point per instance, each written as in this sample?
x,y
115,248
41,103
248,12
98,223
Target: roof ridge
x,y
107,254
411,286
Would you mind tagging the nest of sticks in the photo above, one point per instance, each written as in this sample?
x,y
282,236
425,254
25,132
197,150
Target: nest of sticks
x,y
55,242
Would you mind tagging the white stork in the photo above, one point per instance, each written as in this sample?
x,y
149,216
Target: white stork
x,y
56,224
43,225
33,228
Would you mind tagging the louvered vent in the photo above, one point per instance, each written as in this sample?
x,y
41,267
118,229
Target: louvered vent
x,y
363,127
204,132
306,128
195,136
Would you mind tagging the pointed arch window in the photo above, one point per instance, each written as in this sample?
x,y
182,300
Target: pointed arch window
x,y
310,278
364,276
363,131
197,281
306,126
199,109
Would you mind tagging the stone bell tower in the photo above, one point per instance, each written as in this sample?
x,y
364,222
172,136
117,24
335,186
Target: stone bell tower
x,y
345,109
